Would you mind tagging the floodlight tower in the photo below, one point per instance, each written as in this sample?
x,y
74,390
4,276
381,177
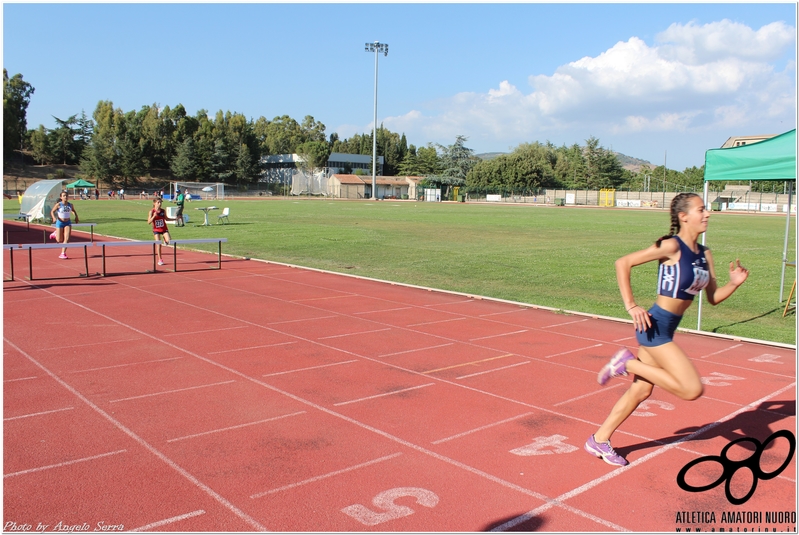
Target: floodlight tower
x,y
375,47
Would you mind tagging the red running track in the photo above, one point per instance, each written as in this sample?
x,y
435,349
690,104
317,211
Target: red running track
x,y
267,397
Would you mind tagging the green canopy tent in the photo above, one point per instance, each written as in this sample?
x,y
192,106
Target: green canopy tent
x,y
80,183
772,159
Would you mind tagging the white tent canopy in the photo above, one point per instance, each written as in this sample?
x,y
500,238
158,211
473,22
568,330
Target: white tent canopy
x,y
40,197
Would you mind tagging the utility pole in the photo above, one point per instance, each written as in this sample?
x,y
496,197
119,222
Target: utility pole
x,y
375,47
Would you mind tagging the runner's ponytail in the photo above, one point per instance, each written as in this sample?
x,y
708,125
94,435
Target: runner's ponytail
x,y
679,204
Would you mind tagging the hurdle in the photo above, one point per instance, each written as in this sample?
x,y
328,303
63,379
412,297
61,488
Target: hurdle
x,y
153,244
138,243
91,230
175,243
31,246
18,217
10,249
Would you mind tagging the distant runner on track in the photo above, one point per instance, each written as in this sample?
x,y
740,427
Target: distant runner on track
x,y
686,268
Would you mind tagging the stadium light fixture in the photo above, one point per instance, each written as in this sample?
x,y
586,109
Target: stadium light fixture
x,y
375,47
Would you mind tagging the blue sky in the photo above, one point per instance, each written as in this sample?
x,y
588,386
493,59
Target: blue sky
x,y
652,81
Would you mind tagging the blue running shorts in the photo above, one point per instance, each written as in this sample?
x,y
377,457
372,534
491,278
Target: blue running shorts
x,y
664,323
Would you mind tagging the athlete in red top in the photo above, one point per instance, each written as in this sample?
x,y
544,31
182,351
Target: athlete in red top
x,y
158,218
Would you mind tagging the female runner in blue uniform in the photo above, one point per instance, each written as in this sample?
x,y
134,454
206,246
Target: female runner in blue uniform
x,y
61,214
686,268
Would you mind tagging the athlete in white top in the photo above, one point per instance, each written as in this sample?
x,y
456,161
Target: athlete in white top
x,y
61,214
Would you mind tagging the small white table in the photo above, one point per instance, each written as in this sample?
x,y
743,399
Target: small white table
x,y
206,209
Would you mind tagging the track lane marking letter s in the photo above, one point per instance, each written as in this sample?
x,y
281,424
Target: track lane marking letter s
x,y
385,501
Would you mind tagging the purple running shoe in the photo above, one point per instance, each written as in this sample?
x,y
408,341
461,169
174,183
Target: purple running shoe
x,y
616,367
604,451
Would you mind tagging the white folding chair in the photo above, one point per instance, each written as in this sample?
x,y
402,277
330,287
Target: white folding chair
x,y
224,215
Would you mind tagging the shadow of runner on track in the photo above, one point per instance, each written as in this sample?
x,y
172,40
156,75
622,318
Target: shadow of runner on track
x,y
534,524
37,285
753,318
755,423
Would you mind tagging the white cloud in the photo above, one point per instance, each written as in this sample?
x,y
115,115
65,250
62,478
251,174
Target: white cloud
x,y
693,78
663,122
404,122
692,44
505,89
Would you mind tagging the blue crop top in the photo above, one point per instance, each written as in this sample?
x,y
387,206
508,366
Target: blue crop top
x,y
687,277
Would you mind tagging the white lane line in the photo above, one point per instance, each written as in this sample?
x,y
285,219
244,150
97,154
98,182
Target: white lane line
x,y
251,347
493,370
37,414
167,521
172,391
183,333
452,461
434,322
610,475
573,351
626,338
383,310
310,368
448,303
323,298
462,364
125,365
325,476
351,420
489,426
235,427
302,319
143,443
66,463
412,331
730,402
721,351
784,375
414,350
90,344
326,410
498,335
501,313
764,411
354,334
19,379
383,395
562,324
589,394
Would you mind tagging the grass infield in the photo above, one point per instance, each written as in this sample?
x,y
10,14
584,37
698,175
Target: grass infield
x,y
556,257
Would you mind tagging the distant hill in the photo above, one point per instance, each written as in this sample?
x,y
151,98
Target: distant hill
x,y
632,164
489,155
